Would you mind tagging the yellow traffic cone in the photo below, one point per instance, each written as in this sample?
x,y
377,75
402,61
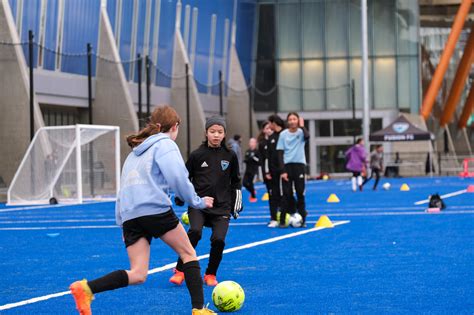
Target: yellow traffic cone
x,y
333,198
324,221
404,187
265,197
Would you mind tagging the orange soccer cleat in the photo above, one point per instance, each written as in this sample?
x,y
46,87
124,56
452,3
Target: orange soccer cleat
x,y
82,296
203,311
210,280
178,277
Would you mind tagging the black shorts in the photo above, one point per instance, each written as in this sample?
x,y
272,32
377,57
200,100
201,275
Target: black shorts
x,y
149,226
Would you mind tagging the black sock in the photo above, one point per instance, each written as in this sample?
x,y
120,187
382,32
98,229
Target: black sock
x,y
111,281
192,276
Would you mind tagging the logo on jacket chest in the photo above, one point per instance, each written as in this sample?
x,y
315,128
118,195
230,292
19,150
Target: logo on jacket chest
x,y
224,164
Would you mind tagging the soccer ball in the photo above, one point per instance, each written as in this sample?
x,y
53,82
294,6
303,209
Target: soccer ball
x,y
185,218
296,220
386,186
228,296
287,218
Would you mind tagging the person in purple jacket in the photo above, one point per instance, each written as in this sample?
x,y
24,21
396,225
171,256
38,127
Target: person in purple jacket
x,y
356,160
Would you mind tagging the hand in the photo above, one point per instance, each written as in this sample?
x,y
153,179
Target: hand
x,y
178,201
284,176
301,122
209,201
237,203
268,176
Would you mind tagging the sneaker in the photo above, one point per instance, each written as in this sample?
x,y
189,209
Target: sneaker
x,y
178,277
251,199
273,224
282,226
202,311
82,296
210,280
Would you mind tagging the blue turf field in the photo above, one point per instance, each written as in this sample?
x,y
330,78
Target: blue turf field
x,y
390,258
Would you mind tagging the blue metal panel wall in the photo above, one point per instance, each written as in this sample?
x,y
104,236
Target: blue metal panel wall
x,y
140,33
13,7
50,34
111,5
81,24
244,37
202,42
224,10
125,35
30,21
166,42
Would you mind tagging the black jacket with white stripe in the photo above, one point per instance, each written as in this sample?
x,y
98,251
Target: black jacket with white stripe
x,y
214,172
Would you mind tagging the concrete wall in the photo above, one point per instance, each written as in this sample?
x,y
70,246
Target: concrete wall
x,y
113,104
178,99
14,100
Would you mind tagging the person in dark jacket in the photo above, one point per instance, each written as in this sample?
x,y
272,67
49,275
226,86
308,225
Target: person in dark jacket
x,y
376,165
214,171
252,162
274,170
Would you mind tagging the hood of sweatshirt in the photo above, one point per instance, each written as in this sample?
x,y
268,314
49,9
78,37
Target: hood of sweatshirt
x,y
148,143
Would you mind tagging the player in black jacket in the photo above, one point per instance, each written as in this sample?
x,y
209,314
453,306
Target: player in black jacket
x,y
252,162
274,170
214,171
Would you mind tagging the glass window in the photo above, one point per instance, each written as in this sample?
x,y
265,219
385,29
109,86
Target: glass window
x,y
332,158
313,85
289,89
323,128
408,88
407,22
384,27
337,80
385,85
312,29
336,28
375,124
288,31
355,28
347,127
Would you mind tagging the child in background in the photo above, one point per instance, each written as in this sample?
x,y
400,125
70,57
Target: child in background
x,y
291,145
252,161
355,157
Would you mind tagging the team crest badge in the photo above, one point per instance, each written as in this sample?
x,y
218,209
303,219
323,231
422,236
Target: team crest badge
x,y
224,164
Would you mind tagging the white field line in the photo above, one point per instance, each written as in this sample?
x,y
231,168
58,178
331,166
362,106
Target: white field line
x,y
459,192
337,214
172,265
50,206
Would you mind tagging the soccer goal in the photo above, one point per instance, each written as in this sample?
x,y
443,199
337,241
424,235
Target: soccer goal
x,y
71,164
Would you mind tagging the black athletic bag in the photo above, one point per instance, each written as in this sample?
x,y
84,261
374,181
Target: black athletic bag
x,y
436,202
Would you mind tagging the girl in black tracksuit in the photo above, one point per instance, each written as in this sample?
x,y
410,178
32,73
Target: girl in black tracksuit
x,y
273,169
252,162
214,171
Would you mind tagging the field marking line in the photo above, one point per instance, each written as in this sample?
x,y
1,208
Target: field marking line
x,y
459,192
172,265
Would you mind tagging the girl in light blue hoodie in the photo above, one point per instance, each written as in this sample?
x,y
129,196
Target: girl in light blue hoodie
x,y
144,212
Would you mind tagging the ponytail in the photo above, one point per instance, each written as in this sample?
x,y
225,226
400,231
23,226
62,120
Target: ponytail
x,y
149,130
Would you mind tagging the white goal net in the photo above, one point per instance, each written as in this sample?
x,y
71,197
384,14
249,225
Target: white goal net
x,y
69,163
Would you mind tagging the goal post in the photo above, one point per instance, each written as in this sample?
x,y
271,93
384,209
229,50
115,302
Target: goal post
x,y
73,164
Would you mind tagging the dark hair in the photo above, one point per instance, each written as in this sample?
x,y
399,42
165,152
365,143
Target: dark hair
x,y
237,137
359,140
378,146
276,120
292,114
261,135
162,119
